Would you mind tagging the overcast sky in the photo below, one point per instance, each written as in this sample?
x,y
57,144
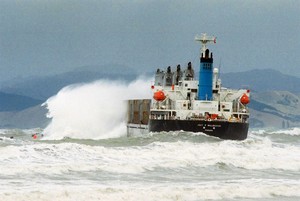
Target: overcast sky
x,y
40,37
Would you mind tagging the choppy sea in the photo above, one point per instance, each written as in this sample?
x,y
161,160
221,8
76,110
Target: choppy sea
x,y
157,166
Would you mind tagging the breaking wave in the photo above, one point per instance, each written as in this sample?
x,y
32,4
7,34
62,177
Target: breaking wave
x,y
92,111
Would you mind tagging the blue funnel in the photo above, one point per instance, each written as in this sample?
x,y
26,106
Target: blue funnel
x,y
205,76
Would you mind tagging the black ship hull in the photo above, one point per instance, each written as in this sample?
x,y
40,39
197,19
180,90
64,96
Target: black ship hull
x,y
220,129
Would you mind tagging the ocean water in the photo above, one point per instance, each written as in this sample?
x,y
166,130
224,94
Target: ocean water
x,y
86,155
157,166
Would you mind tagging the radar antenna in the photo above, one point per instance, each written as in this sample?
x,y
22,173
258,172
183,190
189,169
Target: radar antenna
x,y
204,39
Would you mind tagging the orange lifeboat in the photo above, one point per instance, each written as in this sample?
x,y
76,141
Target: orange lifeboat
x,y
214,116
159,96
245,99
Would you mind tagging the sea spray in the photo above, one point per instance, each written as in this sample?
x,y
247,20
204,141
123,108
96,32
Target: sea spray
x,y
94,110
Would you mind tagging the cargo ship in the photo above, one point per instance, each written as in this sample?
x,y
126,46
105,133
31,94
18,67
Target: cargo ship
x,y
182,103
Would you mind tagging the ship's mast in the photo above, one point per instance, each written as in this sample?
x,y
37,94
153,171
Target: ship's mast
x,y
204,39
205,87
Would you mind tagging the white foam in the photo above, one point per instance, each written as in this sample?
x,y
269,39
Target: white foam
x,y
291,131
126,191
64,157
92,111
131,171
258,132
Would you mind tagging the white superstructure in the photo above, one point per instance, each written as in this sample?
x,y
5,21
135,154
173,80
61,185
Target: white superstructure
x,y
176,93
181,102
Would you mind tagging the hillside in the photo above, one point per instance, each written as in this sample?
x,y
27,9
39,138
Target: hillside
x,y
262,81
13,102
33,117
275,109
